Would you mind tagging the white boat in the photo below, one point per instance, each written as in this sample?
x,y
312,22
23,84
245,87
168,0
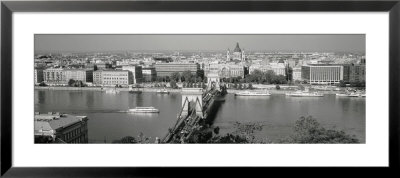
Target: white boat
x,y
348,94
144,110
163,91
112,91
304,94
249,93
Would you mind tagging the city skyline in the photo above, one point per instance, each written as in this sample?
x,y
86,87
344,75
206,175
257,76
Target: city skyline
x,y
58,43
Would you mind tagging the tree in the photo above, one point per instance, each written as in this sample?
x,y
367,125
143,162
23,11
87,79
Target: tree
x,y
187,75
176,76
342,83
173,84
216,130
71,82
128,139
250,86
235,85
269,76
308,130
301,87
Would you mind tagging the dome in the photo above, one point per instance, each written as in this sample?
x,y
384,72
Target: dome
x,y
237,49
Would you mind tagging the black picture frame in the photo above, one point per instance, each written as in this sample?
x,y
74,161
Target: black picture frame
x,y
8,7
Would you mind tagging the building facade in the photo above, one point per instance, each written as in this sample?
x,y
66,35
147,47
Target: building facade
x,y
54,76
262,68
322,74
136,72
84,75
296,74
60,128
112,77
278,68
357,73
166,69
38,76
225,70
149,74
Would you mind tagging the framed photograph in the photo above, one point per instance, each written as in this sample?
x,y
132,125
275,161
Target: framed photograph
x,y
102,88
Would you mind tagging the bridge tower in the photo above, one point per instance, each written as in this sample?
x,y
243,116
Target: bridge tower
x,y
192,98
213,78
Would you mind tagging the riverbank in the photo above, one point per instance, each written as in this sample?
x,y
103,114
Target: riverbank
x,y
280,92
151,90
104,89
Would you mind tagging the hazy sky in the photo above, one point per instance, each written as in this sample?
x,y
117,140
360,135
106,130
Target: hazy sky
x,y
89,43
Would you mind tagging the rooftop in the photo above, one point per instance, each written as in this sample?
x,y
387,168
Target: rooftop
x,y
53,121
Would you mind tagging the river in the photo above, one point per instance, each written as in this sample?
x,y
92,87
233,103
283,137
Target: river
x,y
108,120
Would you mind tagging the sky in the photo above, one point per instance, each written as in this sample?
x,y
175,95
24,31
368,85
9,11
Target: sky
x,y
259,42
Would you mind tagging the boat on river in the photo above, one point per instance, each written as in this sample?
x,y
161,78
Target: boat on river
x,y
251,93
348,95
144,110
112,91
304,94
163,91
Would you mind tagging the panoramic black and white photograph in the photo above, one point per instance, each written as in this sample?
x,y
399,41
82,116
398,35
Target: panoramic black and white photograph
x,y
199,88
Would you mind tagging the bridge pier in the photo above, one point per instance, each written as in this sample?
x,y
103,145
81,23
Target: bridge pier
x,y
192,99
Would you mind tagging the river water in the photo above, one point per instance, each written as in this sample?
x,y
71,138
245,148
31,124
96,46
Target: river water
x,y
108,120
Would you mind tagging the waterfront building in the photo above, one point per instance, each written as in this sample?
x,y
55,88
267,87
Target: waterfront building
x,y
54,76
278,68
166,69
262,68
136,72
84,75
296,73
60,128
322,74
357,73
149,74
38,76
238,54
225,70
112,77
98,77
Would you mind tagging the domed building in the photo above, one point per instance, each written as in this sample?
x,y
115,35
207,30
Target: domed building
x,y
237,54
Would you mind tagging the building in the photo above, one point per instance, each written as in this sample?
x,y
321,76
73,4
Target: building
x,y
278,68
38,76
322,74
225,70
166,69
98,77
112,77
84,75
149,74
54,76
60,128
136,72
103,66
297,74
262,68
357,73
238,54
